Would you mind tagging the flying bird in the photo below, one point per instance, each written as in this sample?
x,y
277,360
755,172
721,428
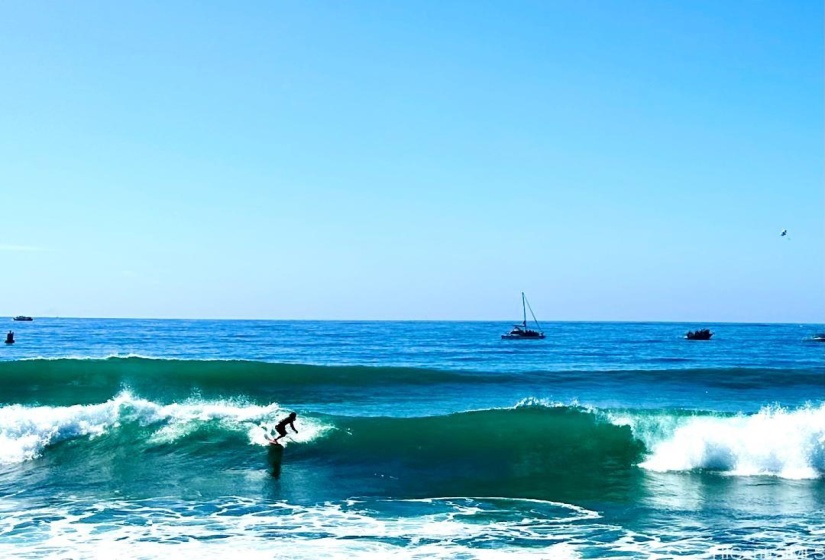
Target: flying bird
x,y
784,233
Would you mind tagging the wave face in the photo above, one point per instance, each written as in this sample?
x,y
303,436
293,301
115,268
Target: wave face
x,y
532,450
521,451
150,427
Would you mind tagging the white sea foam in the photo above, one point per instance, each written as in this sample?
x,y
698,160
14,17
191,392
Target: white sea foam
x,y
25,431
775,441
536,402
442,528
437,528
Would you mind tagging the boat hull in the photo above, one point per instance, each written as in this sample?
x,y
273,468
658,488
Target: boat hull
x,y
701,334
521,337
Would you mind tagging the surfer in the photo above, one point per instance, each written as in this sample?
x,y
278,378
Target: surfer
x,y
10,338
280,427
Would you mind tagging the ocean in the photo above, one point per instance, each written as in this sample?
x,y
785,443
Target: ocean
x,y
148,439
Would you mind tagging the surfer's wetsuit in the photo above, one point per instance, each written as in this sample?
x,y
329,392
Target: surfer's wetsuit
x,y
280,427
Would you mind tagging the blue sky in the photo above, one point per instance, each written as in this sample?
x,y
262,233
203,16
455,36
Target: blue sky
x,y
413,160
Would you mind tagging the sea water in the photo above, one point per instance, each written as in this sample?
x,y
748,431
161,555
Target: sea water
x,y
148,439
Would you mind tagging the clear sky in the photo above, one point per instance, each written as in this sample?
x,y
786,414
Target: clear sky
x,y
616,160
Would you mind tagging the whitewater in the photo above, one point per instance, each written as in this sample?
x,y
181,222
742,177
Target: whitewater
x,y
144,439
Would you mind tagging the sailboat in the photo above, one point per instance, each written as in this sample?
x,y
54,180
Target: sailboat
x,y
521,331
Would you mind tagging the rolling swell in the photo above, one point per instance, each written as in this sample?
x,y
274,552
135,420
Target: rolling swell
x,y
68,380
85,381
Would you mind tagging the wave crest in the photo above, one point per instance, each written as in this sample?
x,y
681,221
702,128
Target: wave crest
x,y
775,441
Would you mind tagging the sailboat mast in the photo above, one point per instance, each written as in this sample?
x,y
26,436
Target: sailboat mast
x,y
524,309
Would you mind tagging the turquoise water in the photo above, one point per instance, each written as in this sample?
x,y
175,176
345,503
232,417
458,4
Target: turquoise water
x,y
416,440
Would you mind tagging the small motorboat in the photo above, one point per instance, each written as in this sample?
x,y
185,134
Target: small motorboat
x,y
23,318
818,337
699,334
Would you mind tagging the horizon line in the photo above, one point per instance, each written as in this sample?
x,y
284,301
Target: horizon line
x,y
508,321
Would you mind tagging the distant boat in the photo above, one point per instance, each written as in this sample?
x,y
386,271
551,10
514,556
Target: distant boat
x,y
521,331
23,318
700,334
818,337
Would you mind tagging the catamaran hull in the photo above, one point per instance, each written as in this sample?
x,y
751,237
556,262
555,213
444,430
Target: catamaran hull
x,y
521,337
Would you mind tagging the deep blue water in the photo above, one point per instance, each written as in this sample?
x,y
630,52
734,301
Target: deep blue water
x,y
416,439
